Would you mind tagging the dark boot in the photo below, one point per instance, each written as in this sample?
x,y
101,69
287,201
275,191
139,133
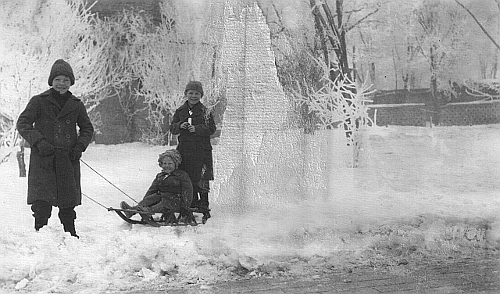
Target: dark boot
x,y
71,229
67,217
203,207
124,205
39,223
42,211
206,216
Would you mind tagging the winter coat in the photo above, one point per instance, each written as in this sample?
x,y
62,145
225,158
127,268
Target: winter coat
x,y
55,178
174,190
195,148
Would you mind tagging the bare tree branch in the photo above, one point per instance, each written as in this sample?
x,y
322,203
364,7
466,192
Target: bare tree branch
x,y
479,24
362,19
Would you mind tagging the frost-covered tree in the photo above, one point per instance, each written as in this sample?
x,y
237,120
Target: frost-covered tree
x,y
34,34
487,17
332,26
390,62
343,103
441,40
126,55
163,60
323,36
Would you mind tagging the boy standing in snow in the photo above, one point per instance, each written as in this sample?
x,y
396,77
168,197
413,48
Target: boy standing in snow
x,y
49,124
194,123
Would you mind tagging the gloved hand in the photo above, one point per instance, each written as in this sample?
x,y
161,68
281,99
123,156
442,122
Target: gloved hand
x,y
76,152
44,148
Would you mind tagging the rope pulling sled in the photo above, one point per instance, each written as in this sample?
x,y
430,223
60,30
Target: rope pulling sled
x,y
147,217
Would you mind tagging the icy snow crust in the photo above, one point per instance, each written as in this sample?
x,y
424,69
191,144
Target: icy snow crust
x,y
422,191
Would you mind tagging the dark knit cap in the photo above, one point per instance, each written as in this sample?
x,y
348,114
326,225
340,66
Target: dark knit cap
x,y
63,68
194,85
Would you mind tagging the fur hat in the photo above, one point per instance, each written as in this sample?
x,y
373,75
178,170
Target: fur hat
x,y
194,85
173,154
61,68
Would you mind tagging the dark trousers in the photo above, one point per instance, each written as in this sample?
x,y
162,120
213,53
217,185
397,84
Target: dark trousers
x,y
200,194
42,211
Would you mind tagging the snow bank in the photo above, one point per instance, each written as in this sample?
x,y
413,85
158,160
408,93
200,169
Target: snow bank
x,y
420,191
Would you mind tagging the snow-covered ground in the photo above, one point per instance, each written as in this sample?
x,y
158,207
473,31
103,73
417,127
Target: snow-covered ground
x,y
423,190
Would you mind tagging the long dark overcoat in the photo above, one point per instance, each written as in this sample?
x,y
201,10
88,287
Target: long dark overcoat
x,y
195,148
55,178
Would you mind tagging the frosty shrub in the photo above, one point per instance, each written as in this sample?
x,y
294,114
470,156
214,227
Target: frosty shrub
x,y
127,56
34,34
164,59
340,103
105,63
159,63
102,57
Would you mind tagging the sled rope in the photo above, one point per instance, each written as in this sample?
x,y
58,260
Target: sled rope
x,y
108,181
94,200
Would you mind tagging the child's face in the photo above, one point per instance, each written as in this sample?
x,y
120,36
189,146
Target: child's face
x,y
193,96
61,84
167,165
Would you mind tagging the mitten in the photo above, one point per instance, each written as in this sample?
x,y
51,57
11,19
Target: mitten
x,y
76,152
44,148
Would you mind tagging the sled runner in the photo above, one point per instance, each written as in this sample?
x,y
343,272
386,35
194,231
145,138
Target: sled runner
x,y
147,218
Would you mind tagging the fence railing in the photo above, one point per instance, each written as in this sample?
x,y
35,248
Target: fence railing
x,y
419,114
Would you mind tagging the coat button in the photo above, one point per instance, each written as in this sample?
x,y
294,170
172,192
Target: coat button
x,y
68,121
68,136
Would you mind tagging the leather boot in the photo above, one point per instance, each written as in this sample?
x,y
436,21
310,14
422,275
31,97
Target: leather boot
x,y
70,227
41,212
39,222
67,216
124,205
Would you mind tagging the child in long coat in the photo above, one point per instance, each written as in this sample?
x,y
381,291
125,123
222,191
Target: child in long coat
x,y
49,124
194,123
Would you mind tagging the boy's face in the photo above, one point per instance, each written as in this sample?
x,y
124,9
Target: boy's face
x,y
167,165
61,84
193,96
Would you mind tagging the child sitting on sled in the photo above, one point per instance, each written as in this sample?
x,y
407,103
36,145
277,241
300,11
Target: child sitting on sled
x,y
170,192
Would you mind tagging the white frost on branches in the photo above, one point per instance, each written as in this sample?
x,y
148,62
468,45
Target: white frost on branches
x,y
340,103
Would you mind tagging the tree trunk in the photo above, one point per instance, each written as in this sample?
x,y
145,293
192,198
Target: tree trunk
x,y
354,69
20,161
433,72
319,30
395,68
373,75
434,91
494,66
341,34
